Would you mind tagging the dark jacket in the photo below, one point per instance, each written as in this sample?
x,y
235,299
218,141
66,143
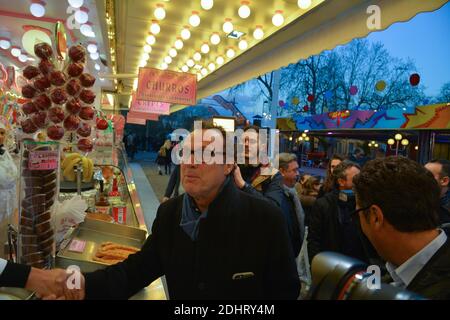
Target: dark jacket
x,y
444,209
240,234
326,232
14,275
174,183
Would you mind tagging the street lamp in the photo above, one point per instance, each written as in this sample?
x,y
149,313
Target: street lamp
x,y
373,144
398,140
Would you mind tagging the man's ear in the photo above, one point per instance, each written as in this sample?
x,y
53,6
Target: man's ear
x,y
376,217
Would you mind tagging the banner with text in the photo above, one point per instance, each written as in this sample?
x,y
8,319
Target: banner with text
x,y
149,106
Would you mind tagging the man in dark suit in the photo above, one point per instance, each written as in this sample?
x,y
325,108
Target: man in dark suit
x,y
441,172
397,201
214,242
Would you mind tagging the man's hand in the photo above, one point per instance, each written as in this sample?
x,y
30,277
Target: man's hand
x,y
56,284
238,180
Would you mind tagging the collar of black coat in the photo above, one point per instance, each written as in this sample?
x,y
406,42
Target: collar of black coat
x,y
227,190
433,281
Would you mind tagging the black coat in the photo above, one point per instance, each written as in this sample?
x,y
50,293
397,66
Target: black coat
x,y
240,234
14,275
325,232
433,281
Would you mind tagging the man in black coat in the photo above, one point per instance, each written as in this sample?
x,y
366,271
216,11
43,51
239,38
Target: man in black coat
x,y
214,242
331,227
441,172
397,201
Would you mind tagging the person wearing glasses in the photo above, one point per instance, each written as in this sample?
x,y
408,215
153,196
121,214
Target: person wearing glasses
x,y
331,225
398,204
213,242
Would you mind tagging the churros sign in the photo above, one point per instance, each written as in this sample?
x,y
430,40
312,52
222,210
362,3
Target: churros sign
x,y
167,86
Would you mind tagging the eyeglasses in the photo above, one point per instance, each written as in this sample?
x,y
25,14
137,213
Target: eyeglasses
x,y
355,214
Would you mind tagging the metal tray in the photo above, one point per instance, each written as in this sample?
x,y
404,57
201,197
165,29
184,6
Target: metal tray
x,y
95,232
15,294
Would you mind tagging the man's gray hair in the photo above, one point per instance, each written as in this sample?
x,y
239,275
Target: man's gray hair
x,y
285,158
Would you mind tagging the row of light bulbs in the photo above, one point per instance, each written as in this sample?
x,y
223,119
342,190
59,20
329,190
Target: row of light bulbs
x,y
16,52
244,12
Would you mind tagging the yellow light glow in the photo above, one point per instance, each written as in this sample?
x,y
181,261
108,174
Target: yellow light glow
x,y
391,142
398,137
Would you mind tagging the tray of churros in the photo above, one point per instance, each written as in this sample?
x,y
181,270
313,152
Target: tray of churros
x,y
96,244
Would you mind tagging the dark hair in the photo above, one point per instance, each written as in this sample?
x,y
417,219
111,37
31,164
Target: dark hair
x,y
340,170
329,182
445,172
405,191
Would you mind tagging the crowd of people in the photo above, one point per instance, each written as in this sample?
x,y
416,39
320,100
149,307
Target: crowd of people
x,y
250,231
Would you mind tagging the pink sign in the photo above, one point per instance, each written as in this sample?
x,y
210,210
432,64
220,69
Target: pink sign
x,y
143,115
132,120
43,160
77,245
167,86
149,106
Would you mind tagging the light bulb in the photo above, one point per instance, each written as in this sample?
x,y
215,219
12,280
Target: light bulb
x,y
205,48
230,53
37,9
199,77
405,142
244,10
190,63
197,56
416,147
145,56
16,52
185,68
147,48
95,56
76,3
86,30
304,4
207,4
173,53
398,137
155,28
142,63
179,44
194,20
278,18
258,33
91,48
211,66
97,67
215,39
23,58
185,33
160,13
135,84
220,61
151,40
5,44
227,26
168,60
81,16
164,66
391,142
243,45
204,72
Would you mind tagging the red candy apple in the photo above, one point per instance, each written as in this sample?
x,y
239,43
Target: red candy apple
x,y
73,87
77,53
40,119
42,84
75,69
87,80
43,102
102,124
57,78
87,113
87,96
84,130
59,96
29,108
30,72
28,126
46,66
85,145
28,91
56,114
71,123
43,50
55,132
73,106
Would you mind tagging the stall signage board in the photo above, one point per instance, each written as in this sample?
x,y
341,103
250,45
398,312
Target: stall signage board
x,y
43,160
149,106
140,121
143,115
167,86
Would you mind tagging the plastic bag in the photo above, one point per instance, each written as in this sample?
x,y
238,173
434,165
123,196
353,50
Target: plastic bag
x,y
69,213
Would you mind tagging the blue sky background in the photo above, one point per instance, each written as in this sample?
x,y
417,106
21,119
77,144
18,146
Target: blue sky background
x,y
425,39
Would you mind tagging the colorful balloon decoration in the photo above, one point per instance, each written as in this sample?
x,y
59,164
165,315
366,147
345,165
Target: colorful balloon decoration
x,y
414,79
281,103
306,108
353,90
328,95
380,86
295,100
310,98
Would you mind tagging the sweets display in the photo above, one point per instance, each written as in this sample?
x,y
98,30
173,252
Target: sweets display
x,y
39,190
